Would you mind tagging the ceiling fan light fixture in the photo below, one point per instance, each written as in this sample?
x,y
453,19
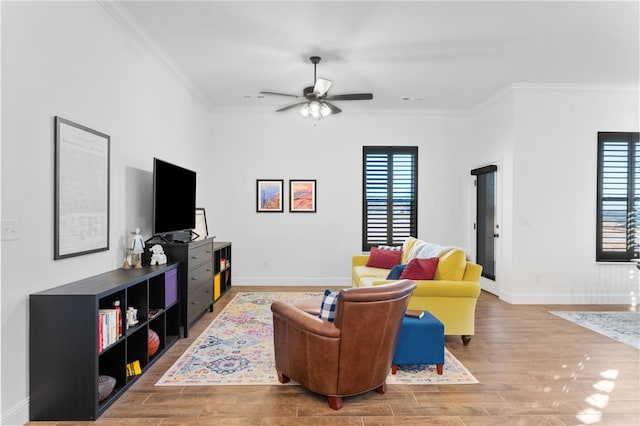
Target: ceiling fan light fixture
x,y
315,110
314,107
324,110
317,103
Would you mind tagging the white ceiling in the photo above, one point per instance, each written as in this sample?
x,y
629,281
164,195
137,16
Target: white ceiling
x,y
453,54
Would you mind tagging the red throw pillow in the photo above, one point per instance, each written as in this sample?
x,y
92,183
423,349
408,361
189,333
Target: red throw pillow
x,y
420,269
385,259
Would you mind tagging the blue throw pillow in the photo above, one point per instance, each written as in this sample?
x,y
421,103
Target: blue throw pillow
x,y
328,306
395,272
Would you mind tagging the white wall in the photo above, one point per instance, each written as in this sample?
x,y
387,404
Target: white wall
x,y
302,248
545,140
554,187
74,60
492,137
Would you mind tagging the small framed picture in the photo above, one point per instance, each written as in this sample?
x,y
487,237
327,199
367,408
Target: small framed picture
x,y
201,224
269,195
302,196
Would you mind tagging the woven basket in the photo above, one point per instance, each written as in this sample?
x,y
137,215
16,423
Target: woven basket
x,y
106,384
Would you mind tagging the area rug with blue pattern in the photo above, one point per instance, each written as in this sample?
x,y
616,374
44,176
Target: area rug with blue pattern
x,y
621,326
237,349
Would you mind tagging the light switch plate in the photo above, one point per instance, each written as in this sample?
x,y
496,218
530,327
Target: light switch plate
x,y
9,229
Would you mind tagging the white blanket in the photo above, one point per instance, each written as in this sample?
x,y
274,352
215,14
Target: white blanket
x,y
430,250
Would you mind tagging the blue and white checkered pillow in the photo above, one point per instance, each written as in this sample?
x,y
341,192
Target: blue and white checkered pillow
x,y
392,248
328,306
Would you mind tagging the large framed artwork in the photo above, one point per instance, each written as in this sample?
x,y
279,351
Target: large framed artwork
x,y
302,196
81,190
269,195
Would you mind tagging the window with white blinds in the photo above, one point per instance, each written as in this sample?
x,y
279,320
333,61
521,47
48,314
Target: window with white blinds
x,y
390,195
617,234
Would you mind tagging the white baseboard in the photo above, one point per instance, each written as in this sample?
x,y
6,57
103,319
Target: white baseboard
x,y
513,298
288,281
18,415
565,299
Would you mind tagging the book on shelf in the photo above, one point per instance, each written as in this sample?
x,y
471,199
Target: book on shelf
x,y
108,328
100,333
133,369
414,313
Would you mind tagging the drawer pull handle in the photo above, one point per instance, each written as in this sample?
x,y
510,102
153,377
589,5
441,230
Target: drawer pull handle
x,y
194,257
195,302
194,279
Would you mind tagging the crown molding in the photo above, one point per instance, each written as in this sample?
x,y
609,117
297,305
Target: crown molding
x,y
506,90
569,86
512,88
133,27
372,112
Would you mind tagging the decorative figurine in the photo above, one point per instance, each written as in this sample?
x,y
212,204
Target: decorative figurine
x,y
138,248
134,250
132,316
158,257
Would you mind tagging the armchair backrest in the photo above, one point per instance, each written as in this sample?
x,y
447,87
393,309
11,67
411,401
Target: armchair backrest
x,y
369,319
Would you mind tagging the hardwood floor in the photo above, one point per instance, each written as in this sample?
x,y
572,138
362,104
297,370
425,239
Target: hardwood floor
x,y
533,367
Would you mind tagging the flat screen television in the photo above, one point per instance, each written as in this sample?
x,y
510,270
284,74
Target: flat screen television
x,y
174,201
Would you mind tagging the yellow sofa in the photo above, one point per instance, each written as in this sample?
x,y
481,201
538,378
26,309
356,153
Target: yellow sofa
x,y
450,296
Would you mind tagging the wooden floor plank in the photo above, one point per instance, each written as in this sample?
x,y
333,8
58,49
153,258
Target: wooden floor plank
x,y
534,368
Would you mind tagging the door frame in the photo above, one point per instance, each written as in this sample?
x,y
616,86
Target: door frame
x,y
491,286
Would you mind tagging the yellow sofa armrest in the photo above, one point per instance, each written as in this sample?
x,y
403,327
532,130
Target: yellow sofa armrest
x,y
359,260
472,272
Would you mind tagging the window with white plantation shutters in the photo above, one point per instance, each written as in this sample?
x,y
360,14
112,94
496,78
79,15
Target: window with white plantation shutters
x,y
618,233
390,195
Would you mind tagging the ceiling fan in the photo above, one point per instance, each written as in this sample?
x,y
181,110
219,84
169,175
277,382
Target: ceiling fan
x,y
315,104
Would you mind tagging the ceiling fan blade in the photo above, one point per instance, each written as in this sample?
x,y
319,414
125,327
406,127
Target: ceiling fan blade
x,y
280,94
351,97
290,106
321,86
334,109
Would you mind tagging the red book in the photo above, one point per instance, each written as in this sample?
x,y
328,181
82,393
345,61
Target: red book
x,y
100,326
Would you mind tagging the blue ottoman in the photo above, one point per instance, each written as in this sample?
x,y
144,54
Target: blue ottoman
x,y
421,341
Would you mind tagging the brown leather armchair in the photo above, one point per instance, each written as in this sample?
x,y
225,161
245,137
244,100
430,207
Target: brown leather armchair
x,y
349,356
